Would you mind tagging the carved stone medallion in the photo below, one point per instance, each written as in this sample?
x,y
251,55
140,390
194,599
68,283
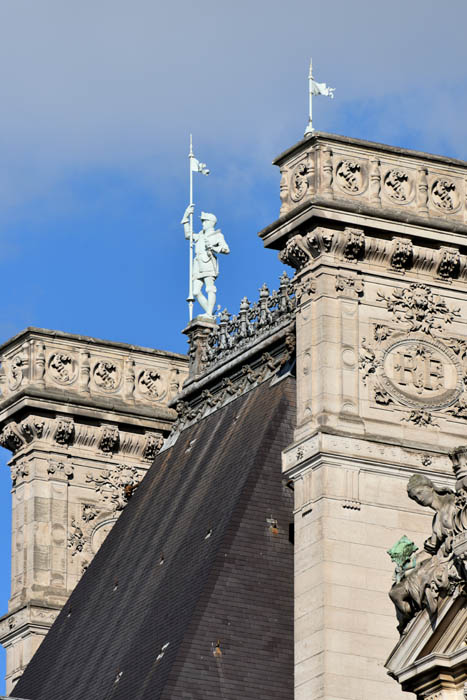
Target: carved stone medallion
x,y
421,373
398,186
16,372
350,177
444,195
107,375
151,384
299,181
62,368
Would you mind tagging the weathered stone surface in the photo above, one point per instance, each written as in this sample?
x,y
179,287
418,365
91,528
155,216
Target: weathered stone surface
x,y
378,234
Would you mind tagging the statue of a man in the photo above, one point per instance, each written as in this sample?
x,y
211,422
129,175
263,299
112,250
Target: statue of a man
x,y
208,243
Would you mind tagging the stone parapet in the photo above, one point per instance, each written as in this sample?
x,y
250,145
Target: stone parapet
x,y
348,179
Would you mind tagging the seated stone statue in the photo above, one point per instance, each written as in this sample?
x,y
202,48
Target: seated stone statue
x,y
421,578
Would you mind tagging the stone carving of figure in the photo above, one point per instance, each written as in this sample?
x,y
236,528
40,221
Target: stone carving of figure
x,y
209,242
432,572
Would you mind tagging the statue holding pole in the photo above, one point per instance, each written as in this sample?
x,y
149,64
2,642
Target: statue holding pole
x,y
207,244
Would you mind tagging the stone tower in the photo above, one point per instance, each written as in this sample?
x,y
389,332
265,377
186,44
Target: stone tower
x,y
84,419
377,237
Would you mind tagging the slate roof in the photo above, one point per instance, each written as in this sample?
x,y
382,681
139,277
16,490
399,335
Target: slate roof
x,y
192,560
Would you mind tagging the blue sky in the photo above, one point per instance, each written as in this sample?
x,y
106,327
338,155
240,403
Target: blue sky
x,y
98,100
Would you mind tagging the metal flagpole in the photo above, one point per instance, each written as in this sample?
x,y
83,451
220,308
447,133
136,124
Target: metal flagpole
x,y
190,293
309,130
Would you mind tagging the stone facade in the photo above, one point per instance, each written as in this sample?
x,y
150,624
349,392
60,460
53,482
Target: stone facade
x,y
376,236
84,419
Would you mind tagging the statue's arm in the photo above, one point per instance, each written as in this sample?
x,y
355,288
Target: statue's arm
x,y
220,246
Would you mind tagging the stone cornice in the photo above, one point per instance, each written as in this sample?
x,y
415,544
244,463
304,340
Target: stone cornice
x,y
45,333
369,145
317,206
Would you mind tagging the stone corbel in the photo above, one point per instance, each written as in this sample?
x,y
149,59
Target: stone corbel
x,y
65,431
448,263
401,254
153,444
296,252
109,439
11,437
320,241
32,428
351,244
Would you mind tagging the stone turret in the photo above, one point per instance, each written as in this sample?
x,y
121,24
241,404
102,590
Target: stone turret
x,y
84,419
377,236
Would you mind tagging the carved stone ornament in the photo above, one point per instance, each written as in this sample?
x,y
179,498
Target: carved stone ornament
x,y
423,579
116,485
60,468
151,384
11,438
109,439
32,427
350,177
296,253
444,195
299,181
64,431
402,254
354,244
16,371
449,263
421,374
419,371
19,471
63,368
152,446
76,539
398,186
350,286
107,375
304,289
419,308
89,512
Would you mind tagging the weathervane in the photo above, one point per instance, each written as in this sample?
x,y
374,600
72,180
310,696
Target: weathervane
x,y
316,89
204,267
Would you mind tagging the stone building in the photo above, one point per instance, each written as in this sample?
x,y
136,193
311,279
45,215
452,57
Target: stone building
x,y
252,559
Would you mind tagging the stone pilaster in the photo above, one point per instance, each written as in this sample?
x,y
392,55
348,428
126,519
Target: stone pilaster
x,y
83,419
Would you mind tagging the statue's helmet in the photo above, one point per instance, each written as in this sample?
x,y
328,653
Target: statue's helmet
x,y
208,217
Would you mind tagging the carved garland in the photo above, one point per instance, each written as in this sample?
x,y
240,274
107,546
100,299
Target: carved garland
x,y
424,371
